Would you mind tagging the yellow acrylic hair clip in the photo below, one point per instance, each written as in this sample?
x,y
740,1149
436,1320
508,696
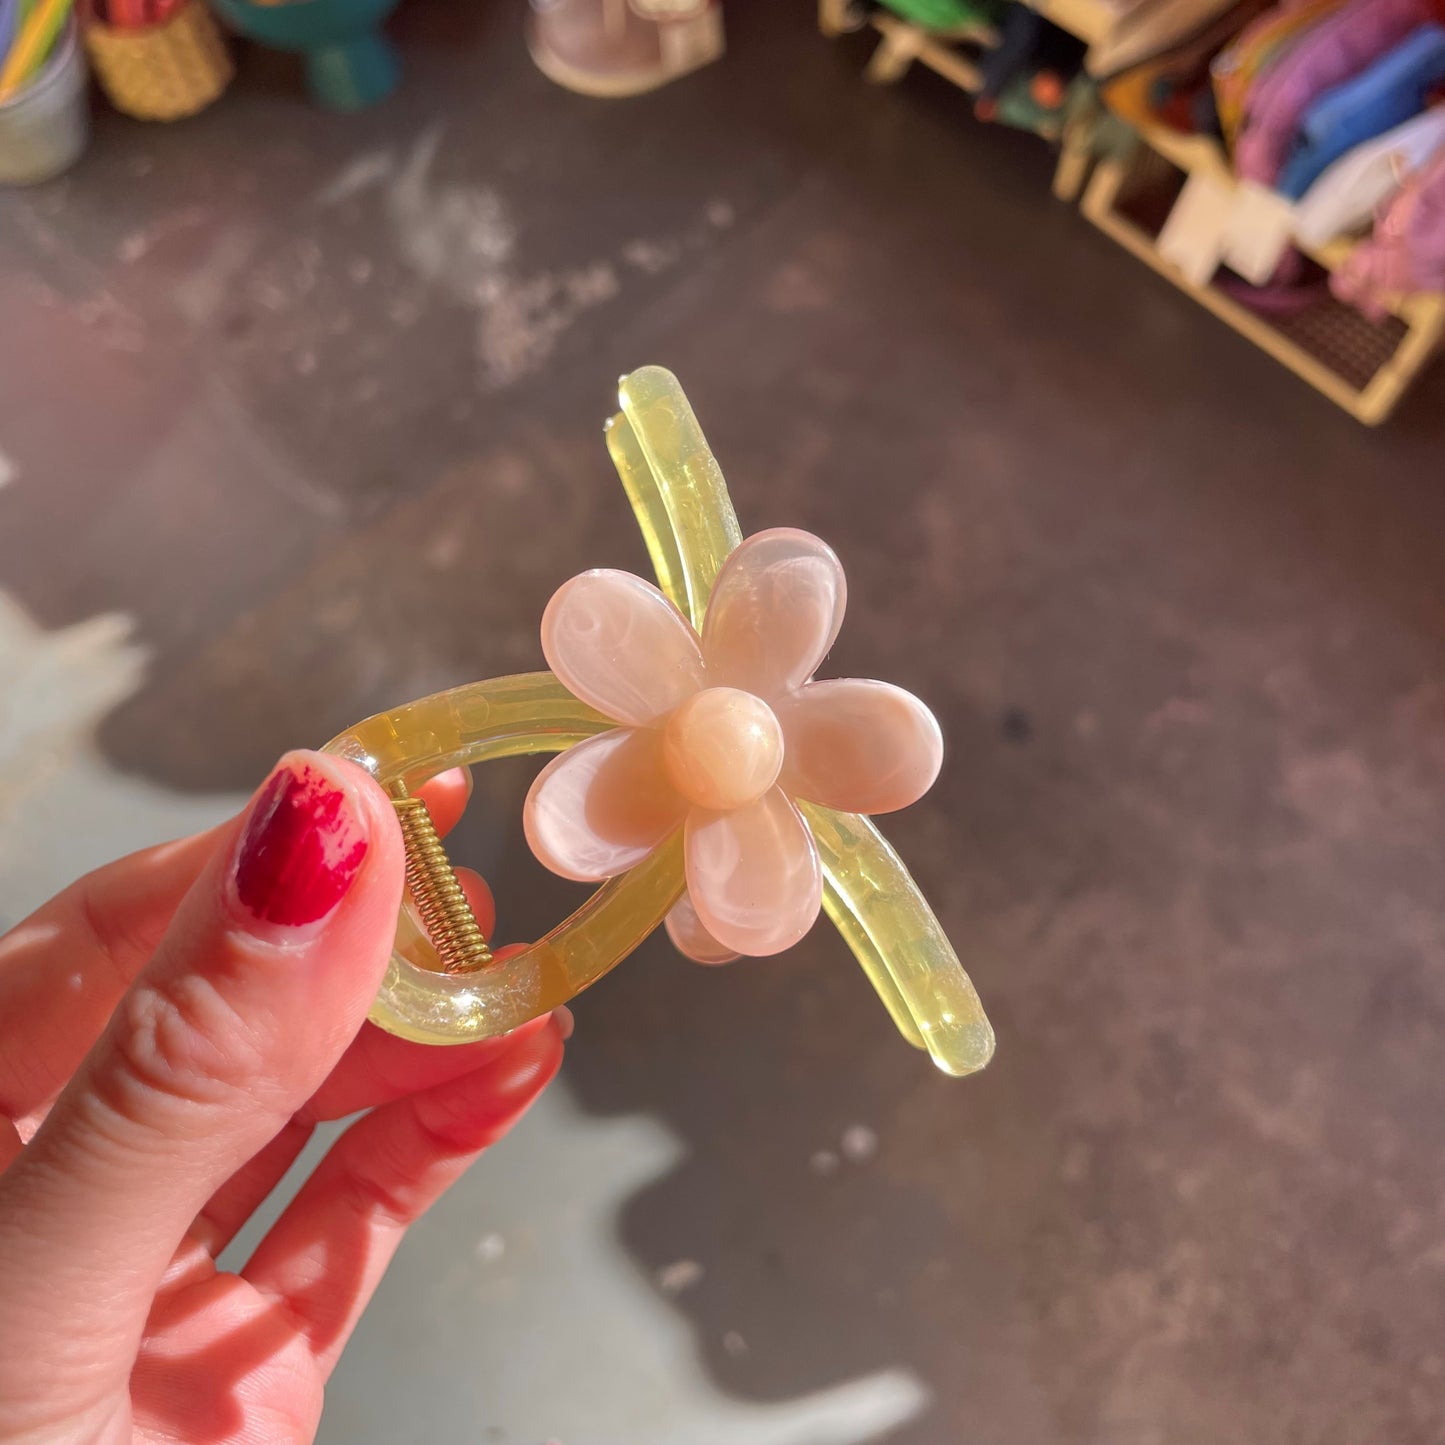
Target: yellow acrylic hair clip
x,y
703,777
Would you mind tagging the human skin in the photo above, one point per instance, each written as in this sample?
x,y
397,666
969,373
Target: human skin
x,y
172,1029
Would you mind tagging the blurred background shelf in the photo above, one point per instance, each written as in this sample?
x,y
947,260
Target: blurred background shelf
x,y
1363,365
901,43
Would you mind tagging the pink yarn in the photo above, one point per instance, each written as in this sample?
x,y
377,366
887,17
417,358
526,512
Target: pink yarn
x,y
1406,251
1334,51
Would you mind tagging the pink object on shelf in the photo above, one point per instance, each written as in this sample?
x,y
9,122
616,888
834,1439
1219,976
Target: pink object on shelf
x,y
1406,250
719,735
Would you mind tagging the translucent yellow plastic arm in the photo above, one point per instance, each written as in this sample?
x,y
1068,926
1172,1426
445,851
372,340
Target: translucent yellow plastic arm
x,y
687,518
532,713
675,486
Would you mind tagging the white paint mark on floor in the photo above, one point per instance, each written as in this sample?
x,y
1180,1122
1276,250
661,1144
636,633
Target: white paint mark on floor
x,y
680,1275
368,169
459,237
518,330
63,810
450,234
490,1248
566,1338
8,470
650,257
139,244
857,1145
201,292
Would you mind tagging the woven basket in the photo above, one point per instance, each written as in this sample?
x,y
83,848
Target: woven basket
x,y
165,71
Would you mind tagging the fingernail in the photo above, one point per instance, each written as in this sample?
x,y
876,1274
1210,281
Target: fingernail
x,y
565,1022
301,850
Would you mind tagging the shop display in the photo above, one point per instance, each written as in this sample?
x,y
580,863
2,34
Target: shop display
x,y
1280,162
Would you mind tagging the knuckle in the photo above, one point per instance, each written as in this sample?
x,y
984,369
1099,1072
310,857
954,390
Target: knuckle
x,y
179,1041
380,1188
388,1178
447,1127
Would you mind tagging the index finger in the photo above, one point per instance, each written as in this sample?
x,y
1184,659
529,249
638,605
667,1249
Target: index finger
x,y
64,968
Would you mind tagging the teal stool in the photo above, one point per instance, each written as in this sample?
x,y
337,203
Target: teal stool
x,y
350,64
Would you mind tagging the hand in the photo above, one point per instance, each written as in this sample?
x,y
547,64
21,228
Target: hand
x,y
197,1008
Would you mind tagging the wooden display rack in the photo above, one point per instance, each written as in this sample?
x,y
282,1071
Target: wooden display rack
x,y
1362,365
901,44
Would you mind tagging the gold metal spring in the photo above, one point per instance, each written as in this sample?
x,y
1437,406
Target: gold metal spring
x,y
445,913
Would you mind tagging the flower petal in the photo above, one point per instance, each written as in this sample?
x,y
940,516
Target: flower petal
x,y
602,806
753,875
774,612
858,746
617,643
691,939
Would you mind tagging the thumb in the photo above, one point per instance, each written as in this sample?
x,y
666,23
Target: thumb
x,y
263,978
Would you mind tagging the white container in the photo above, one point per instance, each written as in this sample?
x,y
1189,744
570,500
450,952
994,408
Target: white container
x,y
44,127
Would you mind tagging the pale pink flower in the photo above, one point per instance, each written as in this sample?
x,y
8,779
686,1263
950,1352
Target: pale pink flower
x,y
718,735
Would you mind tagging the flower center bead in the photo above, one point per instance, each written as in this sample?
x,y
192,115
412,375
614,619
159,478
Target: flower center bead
x,y
723,748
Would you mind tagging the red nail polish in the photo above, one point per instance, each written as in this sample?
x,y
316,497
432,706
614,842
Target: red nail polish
x,y
301,849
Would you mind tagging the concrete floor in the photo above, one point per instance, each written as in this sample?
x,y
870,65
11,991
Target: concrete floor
x,y
301,419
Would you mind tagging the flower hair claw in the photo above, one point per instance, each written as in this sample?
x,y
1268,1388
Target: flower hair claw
x,y
703,777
